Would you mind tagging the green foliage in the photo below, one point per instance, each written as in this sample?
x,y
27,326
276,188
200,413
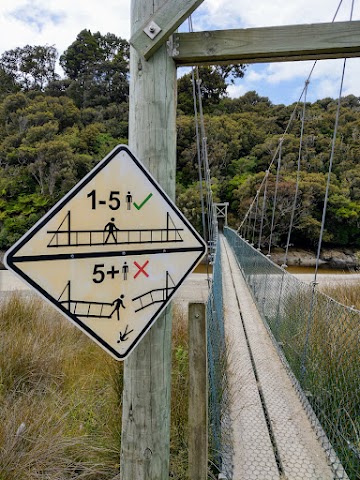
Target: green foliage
x,y
45,148
53,131
30,67
7,84
212,82
243,136
97,66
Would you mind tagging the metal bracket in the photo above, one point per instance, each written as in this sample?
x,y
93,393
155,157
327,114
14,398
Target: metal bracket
x,y
152,30
157,28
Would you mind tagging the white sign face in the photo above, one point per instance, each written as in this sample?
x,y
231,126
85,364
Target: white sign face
x,y
111,254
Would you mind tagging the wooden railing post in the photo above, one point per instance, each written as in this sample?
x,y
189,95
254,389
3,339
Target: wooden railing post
x,y
198,393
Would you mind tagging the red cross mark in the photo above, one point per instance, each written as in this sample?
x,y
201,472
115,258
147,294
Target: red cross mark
x,y
141,269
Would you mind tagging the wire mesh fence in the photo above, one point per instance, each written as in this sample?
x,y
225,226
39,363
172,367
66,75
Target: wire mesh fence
x,y
319,340
220,449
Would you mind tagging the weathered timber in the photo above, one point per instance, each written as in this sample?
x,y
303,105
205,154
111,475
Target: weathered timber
x,y
168,17
198,393
147,374
268,44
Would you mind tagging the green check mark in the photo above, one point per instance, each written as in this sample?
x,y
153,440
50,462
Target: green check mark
x,y
143,202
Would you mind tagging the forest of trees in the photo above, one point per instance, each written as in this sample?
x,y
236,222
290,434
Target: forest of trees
x,y
53,130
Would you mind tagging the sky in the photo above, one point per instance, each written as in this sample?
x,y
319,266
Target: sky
x,y
50,22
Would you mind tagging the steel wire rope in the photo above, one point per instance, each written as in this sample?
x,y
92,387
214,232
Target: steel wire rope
x,y
289,122
203,164
256,210
323,219
198,142
275,195
210,206
296,195
326,198
263,208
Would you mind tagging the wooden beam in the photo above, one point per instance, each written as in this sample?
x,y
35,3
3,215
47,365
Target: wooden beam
x,y
167,18
198,393
268,44
145,438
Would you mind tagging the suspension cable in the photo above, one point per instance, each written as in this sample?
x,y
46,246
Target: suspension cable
x,y
275,195
314,283
263,208
198,143
329,173
256,210
337,116
206,167
297,177
293,112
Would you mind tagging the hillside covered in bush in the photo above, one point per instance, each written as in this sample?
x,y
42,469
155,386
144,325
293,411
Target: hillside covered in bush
x,y
53,130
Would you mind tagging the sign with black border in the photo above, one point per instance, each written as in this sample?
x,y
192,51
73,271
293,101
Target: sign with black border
x,y
111,254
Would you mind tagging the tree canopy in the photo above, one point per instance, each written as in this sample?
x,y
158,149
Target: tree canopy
x,y
97,66
53,130
30,67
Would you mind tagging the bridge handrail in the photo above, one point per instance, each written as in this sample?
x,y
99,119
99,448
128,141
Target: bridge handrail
x,y
220,442
319,338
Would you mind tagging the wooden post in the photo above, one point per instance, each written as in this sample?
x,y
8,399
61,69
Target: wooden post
x,y
147,374
198,393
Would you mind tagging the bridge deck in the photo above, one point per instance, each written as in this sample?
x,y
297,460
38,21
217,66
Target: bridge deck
x,y
273,438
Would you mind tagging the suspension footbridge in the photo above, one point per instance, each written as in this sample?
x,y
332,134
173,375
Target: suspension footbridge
x,y
284,404
286,368
283,358
272,435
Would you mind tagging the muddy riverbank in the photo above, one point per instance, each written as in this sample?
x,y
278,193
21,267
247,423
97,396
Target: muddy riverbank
x,y
332,259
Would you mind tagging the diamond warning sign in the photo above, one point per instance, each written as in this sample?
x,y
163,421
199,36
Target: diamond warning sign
x,y
111,254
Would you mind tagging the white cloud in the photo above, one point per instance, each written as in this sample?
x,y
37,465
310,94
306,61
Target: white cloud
x,y
351,83
257,13
325,79
64,20
238,90
40,22
254,76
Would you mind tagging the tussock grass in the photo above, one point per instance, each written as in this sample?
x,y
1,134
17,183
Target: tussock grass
x,y
179,395
59,404
61,397
322,347
347,294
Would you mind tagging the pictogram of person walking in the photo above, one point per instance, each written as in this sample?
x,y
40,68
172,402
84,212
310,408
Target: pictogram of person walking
x,y
111,228
118,302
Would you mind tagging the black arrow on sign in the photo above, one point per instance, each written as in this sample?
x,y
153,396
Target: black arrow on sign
x,y
124,336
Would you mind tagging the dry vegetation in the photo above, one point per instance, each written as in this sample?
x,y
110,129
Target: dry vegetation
x,y
60,398
347,294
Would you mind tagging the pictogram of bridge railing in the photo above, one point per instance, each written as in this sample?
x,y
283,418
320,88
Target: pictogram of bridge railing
x,y
65,236
156,295
83,308
88,309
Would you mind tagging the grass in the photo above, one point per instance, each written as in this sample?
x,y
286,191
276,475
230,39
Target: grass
x,y
332,362
347,294
179,396
333,372
56,406
61,395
